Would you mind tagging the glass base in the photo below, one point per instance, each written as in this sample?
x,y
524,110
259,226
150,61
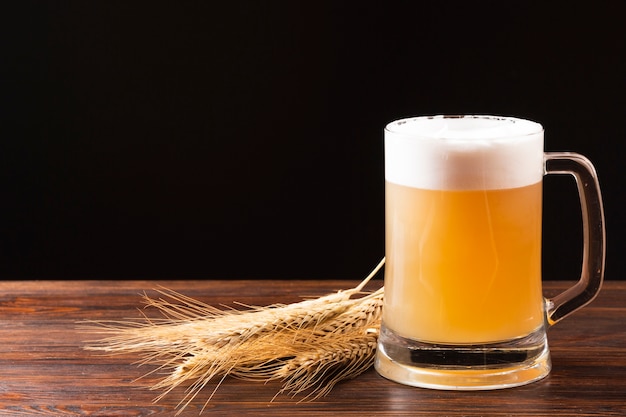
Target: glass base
x,y
463,367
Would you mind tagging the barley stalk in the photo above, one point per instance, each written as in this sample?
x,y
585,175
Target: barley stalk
x,y
310,346
318,370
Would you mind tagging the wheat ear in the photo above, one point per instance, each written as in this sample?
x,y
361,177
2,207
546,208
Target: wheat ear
x,y
309,346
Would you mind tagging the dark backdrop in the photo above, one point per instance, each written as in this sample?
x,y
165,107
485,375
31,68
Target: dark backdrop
x,y
243,139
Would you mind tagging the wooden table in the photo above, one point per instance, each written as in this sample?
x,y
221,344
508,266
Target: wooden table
x,y
44,370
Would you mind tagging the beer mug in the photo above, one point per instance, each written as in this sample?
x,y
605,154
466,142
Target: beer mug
x,y
463,306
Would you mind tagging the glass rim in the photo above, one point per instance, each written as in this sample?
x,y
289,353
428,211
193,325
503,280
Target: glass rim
x,y
537,128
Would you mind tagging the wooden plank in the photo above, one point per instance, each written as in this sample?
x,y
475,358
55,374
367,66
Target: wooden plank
x,y
44,371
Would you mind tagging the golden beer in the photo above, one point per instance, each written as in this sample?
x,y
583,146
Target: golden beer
x,y
463,266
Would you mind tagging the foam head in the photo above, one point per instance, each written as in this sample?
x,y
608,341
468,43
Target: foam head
x,y
464,152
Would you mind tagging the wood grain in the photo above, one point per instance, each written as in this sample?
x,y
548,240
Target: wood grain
x,y
44,370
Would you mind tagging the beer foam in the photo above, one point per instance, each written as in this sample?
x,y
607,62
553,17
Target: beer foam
x,y
464,152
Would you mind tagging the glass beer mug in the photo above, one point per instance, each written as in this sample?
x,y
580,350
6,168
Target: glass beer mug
x,y
463,305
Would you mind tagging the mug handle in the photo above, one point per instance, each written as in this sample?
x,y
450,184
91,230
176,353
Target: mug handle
x,y
594,251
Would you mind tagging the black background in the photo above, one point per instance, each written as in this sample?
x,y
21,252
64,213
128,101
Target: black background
x,y
243,139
